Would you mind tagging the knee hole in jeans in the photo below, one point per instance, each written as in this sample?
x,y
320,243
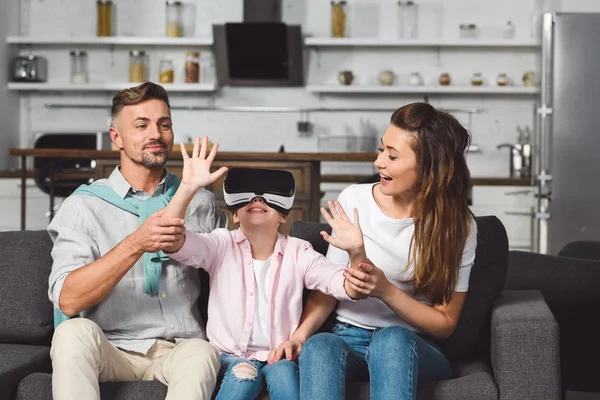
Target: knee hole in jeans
x,y
244,371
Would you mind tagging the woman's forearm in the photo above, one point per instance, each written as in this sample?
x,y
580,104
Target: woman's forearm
x,y
436,321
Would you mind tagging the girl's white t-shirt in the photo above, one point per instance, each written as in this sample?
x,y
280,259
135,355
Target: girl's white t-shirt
x,y
259,338
387,242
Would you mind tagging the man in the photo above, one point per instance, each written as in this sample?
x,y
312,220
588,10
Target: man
x,y
139,311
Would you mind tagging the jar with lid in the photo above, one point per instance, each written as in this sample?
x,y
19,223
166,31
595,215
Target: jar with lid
x,y
338,18
445,79
166,71
174,19
407,19
192,67
468,31
137,66
79,66
477,79
502,79
104,17
415,79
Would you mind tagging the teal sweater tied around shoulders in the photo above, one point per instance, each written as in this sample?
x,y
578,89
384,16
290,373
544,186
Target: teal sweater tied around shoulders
x,y
143,209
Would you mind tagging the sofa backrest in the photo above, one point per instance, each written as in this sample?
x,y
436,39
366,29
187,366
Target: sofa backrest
x,y
471,337
25,311
570,287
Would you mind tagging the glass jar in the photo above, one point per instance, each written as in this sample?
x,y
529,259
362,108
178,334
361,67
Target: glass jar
x,y
104,18
502,80
137,66
338,19
509,30
445,79
415,79
468,31
407,19
166,71
174,19
477,79
79,66
192,67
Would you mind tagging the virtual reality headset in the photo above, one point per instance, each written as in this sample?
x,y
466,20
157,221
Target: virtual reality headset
x,y
276,187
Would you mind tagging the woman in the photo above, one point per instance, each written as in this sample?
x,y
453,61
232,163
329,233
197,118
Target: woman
x,y
416,241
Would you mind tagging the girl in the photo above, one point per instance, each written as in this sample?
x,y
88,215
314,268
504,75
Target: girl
x,y
257,276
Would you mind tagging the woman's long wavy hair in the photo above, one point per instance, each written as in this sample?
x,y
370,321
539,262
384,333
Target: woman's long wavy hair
x,y
442,217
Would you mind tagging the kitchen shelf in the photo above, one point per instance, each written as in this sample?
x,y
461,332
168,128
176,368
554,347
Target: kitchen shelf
x,y
456,89
107,87
376,42
111,40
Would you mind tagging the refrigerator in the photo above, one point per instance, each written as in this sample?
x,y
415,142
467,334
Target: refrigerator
x,y
567,169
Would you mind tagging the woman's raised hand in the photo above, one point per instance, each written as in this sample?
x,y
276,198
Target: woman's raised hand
x,y
348,235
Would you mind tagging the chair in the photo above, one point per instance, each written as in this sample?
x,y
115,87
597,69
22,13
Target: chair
x,y
48,171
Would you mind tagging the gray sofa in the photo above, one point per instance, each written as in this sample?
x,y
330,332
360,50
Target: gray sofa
x,y
505,345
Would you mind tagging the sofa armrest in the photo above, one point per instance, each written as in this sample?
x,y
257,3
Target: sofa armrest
x,y
525,351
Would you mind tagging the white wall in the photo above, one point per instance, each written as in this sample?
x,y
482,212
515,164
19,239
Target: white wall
x,y
266,132
9,102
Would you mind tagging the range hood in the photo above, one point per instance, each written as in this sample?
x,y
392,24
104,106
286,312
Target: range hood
x,y
261,51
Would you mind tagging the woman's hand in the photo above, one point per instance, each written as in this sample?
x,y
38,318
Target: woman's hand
x,y
291,350
348,235
369,280
196,169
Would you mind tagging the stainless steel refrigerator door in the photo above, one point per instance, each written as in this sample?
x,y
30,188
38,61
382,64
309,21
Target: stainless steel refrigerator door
x,y
575,133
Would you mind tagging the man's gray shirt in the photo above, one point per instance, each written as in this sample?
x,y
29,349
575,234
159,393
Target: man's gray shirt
x,y
86,227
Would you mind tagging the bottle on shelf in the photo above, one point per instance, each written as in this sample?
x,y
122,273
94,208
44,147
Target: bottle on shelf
x,y
338,18
192,67
104,18
79,66
137,66
166,71
174,19
407,19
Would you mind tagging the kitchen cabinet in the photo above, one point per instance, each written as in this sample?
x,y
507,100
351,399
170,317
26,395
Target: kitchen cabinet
x,y
513,205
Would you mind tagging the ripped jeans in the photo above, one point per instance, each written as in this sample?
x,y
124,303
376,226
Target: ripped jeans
x,y
242,379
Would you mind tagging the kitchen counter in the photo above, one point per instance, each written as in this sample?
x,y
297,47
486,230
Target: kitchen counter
x,y
306,168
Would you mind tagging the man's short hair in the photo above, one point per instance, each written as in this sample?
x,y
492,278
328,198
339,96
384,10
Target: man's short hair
x,y
136,95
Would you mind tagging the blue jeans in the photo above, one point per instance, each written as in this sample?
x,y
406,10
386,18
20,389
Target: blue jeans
x,y
392,359
281,379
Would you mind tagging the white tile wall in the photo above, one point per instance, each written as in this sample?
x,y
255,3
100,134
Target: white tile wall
x,y
266,132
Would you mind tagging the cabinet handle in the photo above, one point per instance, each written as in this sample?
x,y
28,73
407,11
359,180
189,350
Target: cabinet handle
x,y
518,192
520,213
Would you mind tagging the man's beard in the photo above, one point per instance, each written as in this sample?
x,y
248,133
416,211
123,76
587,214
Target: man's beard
x,y
155,160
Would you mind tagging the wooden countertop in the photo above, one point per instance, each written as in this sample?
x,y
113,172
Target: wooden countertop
x,y
176,155
241,156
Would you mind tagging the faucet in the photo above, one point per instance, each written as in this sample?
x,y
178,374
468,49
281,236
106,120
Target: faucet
x,y
519,159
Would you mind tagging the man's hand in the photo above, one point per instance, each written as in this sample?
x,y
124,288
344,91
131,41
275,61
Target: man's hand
x,y
290,349
158,233
196,169
348,235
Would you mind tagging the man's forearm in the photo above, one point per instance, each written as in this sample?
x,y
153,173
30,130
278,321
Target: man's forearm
x,y
88,285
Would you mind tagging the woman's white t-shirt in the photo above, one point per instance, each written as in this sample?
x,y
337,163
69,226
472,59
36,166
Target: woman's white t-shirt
x,y
387,242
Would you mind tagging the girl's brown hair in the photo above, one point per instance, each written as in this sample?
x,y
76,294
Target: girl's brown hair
x,y
442,217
